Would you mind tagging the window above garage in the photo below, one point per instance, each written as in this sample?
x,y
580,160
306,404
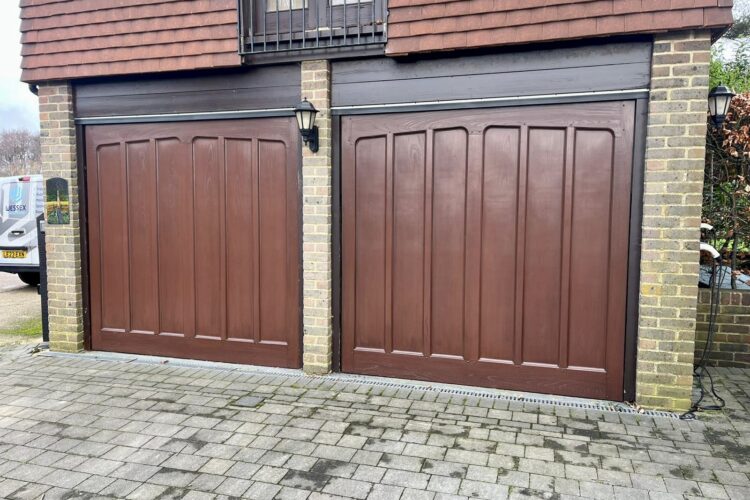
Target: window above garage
x,y
298,28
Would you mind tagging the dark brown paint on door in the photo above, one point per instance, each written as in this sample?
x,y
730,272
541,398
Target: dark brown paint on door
x,y
488,247
194,240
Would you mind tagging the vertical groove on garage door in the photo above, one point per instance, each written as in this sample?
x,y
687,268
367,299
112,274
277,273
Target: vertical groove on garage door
x,y
488,247
194,240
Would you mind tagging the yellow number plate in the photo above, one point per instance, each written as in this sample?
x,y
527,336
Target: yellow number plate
x,y
14,254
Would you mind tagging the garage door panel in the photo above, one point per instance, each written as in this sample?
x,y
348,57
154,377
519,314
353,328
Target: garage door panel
x,y
175,198
590,255
450,149
545,181
113,231
499,227
206,233
370,199
409,153
273,248
207,225
240,241
144,287
509,206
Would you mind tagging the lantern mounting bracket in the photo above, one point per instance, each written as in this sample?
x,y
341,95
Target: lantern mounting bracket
x,y
310,138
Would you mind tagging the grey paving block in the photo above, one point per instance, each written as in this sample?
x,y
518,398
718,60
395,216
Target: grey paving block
x,y
286,493
406,479
120,488
385,492
348,487
147,492
172,477
444,484
369,473
262,491
182,461
206,482
233,487
93,484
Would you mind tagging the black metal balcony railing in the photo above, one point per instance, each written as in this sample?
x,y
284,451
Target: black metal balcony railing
x,y
292,25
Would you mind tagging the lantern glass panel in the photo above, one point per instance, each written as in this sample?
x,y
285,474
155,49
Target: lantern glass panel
x,y
722,105
713,105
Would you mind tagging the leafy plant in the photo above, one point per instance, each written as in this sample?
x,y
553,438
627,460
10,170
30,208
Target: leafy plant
x,y
734,73
726,195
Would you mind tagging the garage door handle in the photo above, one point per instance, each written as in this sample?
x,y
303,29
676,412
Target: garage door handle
x,y
18,232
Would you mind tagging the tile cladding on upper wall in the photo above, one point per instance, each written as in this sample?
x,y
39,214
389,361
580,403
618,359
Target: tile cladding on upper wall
x,y
434,25
65,39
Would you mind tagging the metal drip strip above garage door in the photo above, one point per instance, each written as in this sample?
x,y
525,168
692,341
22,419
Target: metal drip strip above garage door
x,y
496,102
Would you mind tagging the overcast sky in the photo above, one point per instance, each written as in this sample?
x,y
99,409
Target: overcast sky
x,y
18,106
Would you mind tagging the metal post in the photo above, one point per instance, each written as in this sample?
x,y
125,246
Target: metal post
x,y
41,238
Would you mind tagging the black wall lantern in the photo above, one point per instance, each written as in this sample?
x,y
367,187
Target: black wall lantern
x,y
305,113
718,104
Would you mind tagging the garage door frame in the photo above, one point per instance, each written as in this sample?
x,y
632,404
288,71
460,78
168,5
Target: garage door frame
x,y
83,192
640,98
198,346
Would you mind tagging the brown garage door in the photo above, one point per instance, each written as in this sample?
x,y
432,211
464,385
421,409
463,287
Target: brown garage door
x,y
194,240
489,247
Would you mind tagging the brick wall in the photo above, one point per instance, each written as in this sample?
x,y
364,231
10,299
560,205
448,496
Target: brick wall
x,y
673,184
317,274
63,241
731,345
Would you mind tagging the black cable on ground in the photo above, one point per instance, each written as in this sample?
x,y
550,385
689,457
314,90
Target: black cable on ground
x,y
700,369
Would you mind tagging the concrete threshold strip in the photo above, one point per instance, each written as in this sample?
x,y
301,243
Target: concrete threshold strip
x,y
400,384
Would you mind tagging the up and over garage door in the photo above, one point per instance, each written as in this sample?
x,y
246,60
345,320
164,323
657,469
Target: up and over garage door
x,y
489,246
194,239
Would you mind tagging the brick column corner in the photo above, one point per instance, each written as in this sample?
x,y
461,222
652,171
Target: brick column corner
x,y
63,242
317,273
673,185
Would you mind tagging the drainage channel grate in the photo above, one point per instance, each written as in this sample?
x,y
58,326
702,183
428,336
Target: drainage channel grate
x,y
495,395
595,405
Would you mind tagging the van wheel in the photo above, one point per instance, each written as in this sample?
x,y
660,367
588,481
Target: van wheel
x,y
31,279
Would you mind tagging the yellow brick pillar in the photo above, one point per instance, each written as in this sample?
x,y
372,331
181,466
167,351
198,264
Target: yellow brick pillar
x,y
63,242
673,187
317,170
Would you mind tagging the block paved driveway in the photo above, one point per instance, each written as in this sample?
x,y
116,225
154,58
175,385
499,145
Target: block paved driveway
x,y
77,427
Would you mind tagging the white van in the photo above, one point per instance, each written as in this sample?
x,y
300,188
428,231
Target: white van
x,y
21,201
